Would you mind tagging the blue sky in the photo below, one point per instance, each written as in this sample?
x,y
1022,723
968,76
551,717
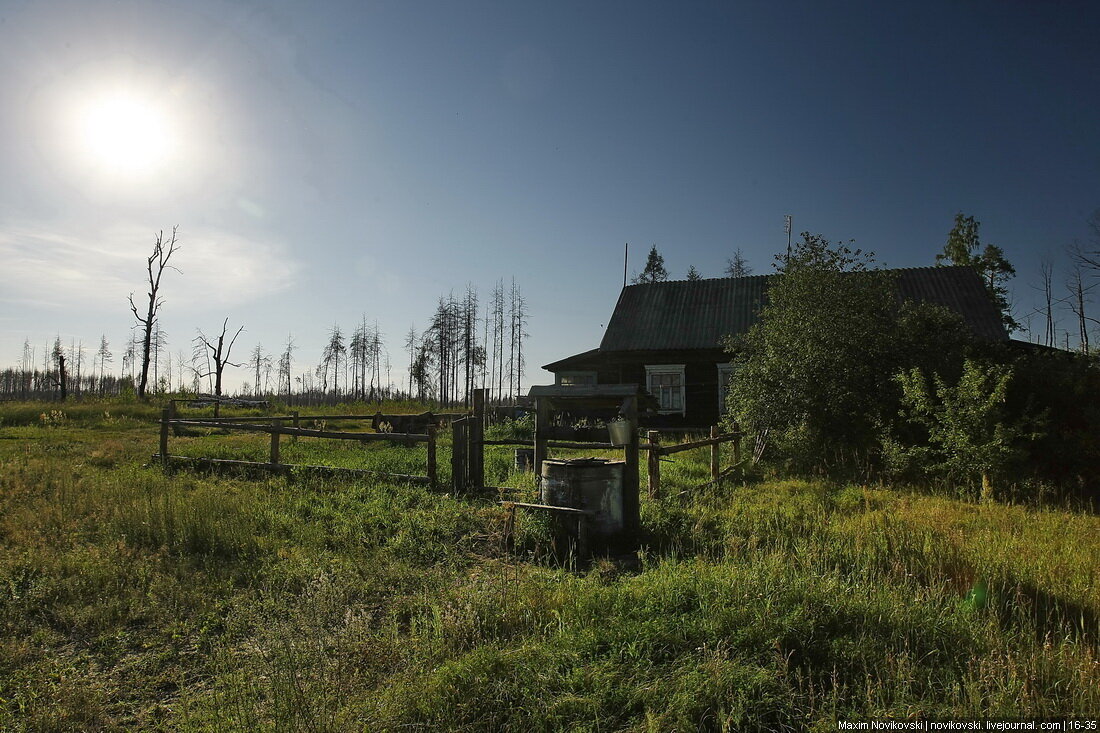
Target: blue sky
x,y
326,161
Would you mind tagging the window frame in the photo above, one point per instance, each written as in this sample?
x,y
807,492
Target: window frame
x,y
725,372
652,370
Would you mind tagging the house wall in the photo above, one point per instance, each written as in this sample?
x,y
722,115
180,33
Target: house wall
x,y
700,377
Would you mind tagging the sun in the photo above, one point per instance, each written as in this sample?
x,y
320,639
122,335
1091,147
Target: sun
x,y
126,135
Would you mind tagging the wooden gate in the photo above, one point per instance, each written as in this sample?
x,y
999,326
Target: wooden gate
x,y
467,446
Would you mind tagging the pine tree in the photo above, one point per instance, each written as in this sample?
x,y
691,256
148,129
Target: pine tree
x,y
738,266
654,271
963,247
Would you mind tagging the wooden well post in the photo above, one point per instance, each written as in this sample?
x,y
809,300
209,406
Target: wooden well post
x,y
542,435
654,439
631,504
460,435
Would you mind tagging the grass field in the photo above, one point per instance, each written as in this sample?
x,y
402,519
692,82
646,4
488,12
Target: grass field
x,y
134,601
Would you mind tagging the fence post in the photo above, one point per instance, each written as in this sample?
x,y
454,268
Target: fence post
x,y
714,464
654,439
164,438
431,457
631,487
737,445
542,429
458,455
294,414
275,442
475,446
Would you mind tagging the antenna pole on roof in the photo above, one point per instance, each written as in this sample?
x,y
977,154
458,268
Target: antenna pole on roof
x,y
626,256
787,228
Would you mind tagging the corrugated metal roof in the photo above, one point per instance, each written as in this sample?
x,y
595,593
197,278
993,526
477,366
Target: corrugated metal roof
x,y
698,314
581,361
959,288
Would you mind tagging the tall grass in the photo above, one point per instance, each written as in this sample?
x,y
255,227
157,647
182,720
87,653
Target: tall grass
x,y
134,600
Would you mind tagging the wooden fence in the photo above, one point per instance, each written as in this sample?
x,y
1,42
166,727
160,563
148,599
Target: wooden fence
x,y
276,426
467,454
717,473
656,451
467,448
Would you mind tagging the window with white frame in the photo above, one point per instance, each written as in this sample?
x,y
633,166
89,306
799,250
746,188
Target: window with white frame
x,y
577,379
666,383
725,371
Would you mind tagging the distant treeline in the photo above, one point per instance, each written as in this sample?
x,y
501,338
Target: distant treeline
x,y
464,346
36,384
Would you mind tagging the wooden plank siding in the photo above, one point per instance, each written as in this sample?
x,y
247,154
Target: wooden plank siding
x,y
700,377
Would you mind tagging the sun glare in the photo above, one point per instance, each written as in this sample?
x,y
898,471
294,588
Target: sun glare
x,y
126,135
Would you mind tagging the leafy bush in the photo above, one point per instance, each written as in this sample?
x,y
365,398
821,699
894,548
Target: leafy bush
x,y
970,432
815,377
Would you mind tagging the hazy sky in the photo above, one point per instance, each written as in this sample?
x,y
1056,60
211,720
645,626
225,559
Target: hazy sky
x,y
329,160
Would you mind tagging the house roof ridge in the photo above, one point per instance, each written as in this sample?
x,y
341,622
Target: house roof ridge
x,y
692,314
702,279
675,281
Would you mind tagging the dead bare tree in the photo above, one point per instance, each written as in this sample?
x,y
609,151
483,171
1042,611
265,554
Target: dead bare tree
x,y
220,354
517,311
1046,274
1078,299
286,361
155,266
497,379
61,380
469,337
259,362
105,356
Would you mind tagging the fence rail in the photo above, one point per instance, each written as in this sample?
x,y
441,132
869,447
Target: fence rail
x,y
552,444
304,432
275,429
468,444
656,450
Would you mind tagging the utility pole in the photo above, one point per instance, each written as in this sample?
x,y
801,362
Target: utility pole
x,y
626,256
787,228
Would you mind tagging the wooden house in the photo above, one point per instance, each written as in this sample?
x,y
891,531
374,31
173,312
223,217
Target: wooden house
x,y
668,336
